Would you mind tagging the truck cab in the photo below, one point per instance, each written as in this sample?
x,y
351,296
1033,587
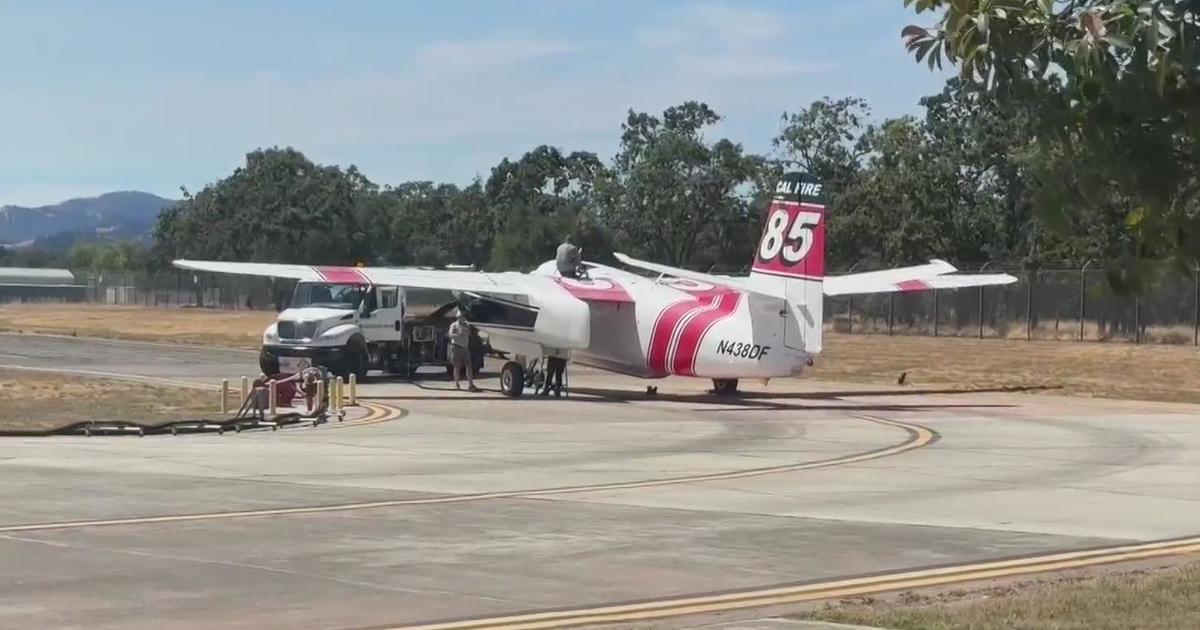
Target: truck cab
x,y
354,328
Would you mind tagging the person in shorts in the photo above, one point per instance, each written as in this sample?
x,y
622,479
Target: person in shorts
x,y
459,337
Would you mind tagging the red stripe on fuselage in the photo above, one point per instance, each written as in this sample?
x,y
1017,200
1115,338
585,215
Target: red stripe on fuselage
x,y
663,335
342,275
697,328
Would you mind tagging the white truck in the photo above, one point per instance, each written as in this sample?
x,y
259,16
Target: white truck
x,y
354,328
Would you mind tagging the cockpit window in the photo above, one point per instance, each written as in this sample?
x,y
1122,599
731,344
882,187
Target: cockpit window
x,y
349,296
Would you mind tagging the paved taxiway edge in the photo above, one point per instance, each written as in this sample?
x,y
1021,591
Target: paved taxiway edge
x,y
828,589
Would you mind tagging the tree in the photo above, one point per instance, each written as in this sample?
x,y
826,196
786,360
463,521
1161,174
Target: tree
x,y
825,139
1114,87
279,207
541,198
677,198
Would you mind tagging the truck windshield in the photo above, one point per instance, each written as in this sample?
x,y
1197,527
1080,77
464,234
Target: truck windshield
x,y
348,296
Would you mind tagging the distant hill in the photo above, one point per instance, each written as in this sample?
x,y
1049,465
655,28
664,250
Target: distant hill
x,y
125,215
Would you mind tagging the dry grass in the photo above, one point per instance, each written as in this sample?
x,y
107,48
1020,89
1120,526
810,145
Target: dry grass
x,y
40,401
1162,598
169,325
1164,373
1046,330
1115,370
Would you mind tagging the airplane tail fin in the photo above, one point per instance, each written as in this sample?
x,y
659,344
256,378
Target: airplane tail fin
x,y
790,259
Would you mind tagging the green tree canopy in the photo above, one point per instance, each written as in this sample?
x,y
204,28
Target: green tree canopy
x,y
677,198
280,207
1113,84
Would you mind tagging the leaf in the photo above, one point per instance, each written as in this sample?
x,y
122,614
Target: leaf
x,y
1135,219
913,31
1120,41
1053,218
1092,24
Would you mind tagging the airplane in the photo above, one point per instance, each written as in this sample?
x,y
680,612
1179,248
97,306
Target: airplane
x,y
677,322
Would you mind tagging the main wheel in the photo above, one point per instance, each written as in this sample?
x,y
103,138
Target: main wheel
x,y
725,386
512,379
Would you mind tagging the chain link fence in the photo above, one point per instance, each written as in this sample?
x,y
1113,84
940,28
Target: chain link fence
x,y
1062,304
186,289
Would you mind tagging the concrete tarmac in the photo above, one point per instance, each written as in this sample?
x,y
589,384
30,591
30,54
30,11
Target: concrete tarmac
x,y
476,506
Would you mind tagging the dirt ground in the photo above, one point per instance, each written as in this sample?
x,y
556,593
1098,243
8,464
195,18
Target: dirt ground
x,y
1166,596
1116,370
39,401
167,325
1113,370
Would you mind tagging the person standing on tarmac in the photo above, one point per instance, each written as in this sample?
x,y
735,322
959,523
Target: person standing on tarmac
x,y
554,376
567,259
460,351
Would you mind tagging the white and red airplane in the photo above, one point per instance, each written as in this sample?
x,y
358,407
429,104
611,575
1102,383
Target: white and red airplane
x,y
682,322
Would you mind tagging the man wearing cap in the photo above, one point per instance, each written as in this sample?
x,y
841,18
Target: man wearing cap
x,y
567,259
459,337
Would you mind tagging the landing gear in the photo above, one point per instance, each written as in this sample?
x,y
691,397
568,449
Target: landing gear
x,y
512,379
725,386
652,390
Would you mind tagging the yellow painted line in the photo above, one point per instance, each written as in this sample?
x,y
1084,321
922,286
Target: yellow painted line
x,y
918,436
376,413
833,589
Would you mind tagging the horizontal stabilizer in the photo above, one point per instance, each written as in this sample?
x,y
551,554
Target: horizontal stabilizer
x,y
934,275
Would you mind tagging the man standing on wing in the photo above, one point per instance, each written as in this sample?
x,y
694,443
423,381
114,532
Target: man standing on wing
x,y
460,351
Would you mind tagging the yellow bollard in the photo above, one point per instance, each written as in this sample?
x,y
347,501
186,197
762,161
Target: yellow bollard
x,y
271,394
224,396
338,394
353,390
245,388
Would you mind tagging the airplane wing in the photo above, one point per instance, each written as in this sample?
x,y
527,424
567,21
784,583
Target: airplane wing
x,y
519,306
474,281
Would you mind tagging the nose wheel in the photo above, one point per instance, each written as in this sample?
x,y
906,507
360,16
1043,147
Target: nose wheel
x,y
512,379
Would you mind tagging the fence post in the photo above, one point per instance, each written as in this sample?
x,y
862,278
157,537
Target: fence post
x,y
850,308
981,269
935,312
1083,296
1137,318
224,396
1028,305
891,310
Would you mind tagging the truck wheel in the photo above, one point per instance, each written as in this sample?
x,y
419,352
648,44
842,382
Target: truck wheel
x,y
267,364
725,386
512,379
356,360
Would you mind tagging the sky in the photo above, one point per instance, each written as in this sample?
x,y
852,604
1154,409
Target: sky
x,y
113,95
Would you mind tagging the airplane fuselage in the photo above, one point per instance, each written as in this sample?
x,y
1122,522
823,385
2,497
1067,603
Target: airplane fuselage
x,y
654,328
